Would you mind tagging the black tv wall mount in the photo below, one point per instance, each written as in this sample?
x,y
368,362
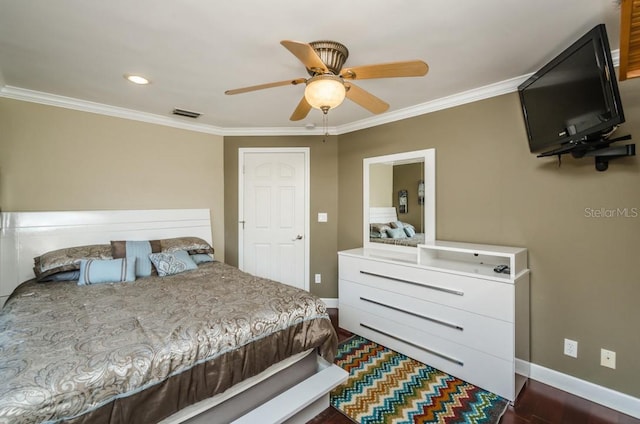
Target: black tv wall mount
x,y
603,152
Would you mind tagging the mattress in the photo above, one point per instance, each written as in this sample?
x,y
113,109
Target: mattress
x,y
139,352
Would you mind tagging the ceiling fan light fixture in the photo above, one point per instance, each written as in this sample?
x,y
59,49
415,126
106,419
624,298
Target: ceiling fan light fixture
x,y
325,92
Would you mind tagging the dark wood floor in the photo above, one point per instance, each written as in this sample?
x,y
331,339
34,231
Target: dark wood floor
x,y
537,404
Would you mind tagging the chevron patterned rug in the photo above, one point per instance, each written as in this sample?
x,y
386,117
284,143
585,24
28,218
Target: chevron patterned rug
x,y
387,387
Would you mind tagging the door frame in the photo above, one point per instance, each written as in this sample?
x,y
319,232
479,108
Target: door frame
x,y
307,208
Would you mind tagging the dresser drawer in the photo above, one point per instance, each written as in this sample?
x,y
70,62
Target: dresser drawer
x,y
479,332
487,371
477,295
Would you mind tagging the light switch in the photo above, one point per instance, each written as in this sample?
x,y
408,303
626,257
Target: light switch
x,y
322,217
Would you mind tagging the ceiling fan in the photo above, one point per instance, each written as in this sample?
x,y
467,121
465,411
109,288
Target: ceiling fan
x,y
330,83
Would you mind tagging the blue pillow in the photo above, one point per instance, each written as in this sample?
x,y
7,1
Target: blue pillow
x,y
140,251
409,231
200,258
97,271
396,233
73,275
169,263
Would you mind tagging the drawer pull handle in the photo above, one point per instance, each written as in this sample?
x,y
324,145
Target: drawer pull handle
x,y
442,289
433,352
437,321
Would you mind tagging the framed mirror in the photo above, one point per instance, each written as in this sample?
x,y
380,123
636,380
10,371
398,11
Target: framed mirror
x,y
399,200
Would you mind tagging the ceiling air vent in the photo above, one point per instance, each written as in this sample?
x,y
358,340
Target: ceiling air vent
x,y
187,113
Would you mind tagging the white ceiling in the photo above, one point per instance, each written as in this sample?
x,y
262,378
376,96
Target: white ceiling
x,y
194,50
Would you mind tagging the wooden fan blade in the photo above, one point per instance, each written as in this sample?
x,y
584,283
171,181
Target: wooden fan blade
x,y
263,86
305,53
410,68
302,110
366,99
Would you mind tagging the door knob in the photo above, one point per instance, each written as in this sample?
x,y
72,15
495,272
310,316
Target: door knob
x,y
298,237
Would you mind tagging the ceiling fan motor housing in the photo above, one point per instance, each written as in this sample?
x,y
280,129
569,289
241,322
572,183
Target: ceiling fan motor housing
x,y
332,53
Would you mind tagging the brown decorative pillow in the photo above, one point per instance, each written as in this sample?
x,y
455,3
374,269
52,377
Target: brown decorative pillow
x,y
119,248
68,259
192,245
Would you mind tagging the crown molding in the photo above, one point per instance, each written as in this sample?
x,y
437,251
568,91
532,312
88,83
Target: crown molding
x,y
615,57
24,94
458,99
275,131
33,96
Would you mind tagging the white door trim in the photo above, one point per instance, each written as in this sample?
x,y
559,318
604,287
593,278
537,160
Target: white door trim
x,y
307,197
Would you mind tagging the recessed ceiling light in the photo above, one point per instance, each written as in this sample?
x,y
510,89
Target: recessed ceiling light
x,y
136,79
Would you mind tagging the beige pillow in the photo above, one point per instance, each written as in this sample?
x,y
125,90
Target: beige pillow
x,y
68,259
192,245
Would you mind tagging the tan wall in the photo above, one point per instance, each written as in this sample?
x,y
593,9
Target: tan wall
x,y
380,185
324,188
60,159
585,282
406,177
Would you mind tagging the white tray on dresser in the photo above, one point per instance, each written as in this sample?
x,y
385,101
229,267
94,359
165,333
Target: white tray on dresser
x,y
444,306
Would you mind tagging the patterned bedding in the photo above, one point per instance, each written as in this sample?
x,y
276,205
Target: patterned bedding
x,y
406,241
140,351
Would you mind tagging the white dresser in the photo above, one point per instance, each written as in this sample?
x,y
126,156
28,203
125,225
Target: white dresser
x,y
444,306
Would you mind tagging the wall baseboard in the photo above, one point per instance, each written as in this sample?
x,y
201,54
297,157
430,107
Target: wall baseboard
x,y
330,302
598,394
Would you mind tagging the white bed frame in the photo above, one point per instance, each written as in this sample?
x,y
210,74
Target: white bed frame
x,y
25,235
382,215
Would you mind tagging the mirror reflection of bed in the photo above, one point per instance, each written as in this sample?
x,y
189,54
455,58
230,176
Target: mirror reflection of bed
x,y
386,227
399,200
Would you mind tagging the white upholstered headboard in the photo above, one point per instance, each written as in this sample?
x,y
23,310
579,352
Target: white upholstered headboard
x,y
25,235
381,215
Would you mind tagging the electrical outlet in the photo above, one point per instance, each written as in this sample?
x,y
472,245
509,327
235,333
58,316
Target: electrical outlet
x,y
608,358
318,278
571,348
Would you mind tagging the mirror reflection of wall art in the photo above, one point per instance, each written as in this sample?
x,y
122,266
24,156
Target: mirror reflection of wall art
x,y
421,192
403,203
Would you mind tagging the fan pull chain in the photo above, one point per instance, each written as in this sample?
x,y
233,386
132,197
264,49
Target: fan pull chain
x,y
325,122
325,125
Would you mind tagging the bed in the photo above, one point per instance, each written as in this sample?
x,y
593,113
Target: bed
x,y
206,344
384,227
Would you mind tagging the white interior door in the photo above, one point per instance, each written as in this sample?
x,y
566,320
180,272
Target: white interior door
x,y
273,214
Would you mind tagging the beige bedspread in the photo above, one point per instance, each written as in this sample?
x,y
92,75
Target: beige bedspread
x,y
407,241
137,352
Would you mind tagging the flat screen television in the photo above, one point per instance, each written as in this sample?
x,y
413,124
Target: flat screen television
x,y
573,100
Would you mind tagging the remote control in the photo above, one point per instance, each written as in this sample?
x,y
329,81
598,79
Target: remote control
x,y
503,269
